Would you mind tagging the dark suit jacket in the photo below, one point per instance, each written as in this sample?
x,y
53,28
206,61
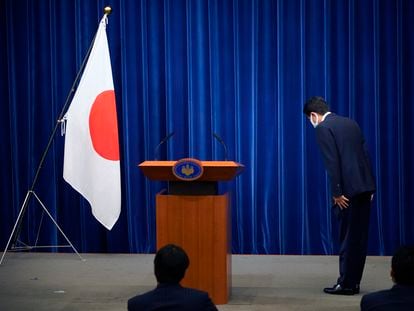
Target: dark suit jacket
x,y
345,156
172,297
398,298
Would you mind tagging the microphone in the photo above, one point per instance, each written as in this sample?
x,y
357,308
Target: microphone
x,y
156,150
216,136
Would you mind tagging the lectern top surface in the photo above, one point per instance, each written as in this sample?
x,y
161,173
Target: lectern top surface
x,y
213,170
204,163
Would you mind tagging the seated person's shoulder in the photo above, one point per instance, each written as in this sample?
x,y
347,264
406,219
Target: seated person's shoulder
x,y
391,299
193,291
200,297
141,299
375,296
174,297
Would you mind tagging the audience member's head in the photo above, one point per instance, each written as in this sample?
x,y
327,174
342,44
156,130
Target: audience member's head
x,y
315,104
402,266
170,264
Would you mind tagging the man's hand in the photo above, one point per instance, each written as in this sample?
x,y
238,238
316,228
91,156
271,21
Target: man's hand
x,y
341,201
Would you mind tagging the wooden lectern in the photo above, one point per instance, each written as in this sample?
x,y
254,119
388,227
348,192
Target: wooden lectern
x,y
195,216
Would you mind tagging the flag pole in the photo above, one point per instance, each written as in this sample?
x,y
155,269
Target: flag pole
x,y
18,224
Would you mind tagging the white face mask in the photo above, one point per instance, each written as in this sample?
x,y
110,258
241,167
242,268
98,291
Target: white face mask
x,y
314,123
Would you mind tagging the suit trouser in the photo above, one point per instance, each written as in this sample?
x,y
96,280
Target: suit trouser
x,y
353,239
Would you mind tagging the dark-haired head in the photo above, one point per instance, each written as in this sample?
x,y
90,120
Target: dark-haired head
x,y
170,264
402,266
315,104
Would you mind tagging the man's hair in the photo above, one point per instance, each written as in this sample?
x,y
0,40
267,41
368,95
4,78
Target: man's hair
x,y
402,265
170,264
315,104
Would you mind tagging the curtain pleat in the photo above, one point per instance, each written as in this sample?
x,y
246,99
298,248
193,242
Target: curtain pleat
x,y
239,69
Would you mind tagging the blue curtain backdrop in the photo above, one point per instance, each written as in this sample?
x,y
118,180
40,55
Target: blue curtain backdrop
x,y
242,69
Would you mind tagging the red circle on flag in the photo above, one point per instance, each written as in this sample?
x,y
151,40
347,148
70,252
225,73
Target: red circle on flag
x,y
103,126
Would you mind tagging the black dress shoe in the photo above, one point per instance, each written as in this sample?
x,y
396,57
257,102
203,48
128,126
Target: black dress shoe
x,y
339,290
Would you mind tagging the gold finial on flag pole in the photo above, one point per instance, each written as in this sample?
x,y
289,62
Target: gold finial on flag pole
x,y
107,10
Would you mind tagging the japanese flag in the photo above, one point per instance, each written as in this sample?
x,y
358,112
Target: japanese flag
x,y
91,161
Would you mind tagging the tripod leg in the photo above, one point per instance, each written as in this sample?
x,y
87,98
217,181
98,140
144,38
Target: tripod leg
x,y
40,226
18,221
61,231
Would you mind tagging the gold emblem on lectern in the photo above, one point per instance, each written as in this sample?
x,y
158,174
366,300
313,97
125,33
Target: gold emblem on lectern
x,y
187,170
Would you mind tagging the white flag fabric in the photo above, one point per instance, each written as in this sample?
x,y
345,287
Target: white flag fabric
x,y
91,161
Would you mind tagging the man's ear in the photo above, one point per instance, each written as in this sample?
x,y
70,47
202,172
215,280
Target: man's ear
x,y
392,275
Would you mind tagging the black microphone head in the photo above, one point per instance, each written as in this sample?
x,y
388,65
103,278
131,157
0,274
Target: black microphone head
x,y
220,140
216,136
170,135
156,150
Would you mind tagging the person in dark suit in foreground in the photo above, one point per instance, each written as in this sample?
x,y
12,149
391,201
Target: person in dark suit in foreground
x,y
401,296
170,264
352,184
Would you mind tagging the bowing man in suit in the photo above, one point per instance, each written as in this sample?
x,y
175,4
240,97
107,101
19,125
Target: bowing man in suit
x,y
352,184
170,264
401,296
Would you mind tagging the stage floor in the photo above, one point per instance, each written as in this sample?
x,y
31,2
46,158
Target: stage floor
x,y
49,281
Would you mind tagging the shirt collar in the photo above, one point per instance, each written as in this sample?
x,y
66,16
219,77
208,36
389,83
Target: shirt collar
x,y
324,116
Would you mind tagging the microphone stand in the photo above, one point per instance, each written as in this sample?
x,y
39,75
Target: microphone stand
x,y
216,136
